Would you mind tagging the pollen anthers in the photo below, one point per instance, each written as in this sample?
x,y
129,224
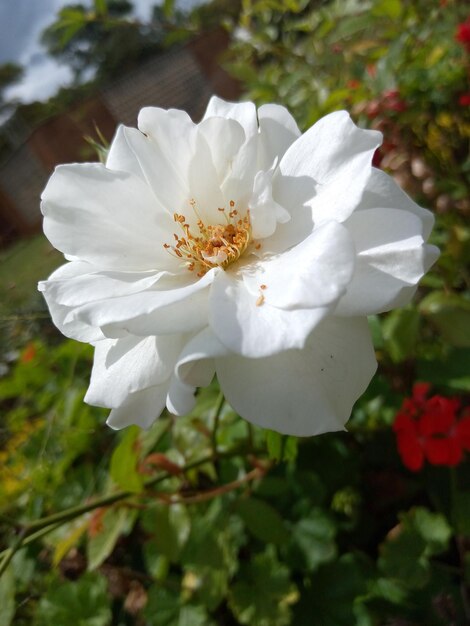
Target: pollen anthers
x,y
216,245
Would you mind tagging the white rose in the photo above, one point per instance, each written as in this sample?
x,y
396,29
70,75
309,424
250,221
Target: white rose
x,y
239,247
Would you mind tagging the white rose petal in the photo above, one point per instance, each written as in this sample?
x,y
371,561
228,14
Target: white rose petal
x,y
237,247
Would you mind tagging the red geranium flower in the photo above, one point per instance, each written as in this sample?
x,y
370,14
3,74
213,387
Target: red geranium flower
x,y
462,34
464,100
431,429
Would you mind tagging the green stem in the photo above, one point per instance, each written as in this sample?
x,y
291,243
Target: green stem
x,y
26,316
7,555
216,417
36,529
73,512
8,521
22,542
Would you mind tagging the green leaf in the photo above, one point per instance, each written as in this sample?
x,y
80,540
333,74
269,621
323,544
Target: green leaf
x,y
281,447
387,589
115,522
165,608
69,541
451,314
403,558
451,371
433,528
330,594
7,597
168,8
405,555
124,462
400,333
274,444
387,8
83,602
375,327
169,527
313,540
262,520
206,585
214,539
101,7
69,30
263,592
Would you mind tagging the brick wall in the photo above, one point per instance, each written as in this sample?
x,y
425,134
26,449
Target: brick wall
x,y
182,78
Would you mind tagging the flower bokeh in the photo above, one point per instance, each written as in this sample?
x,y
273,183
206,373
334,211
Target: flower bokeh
x,y
462,34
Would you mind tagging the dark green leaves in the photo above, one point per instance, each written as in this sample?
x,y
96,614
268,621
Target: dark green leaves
x,y
313,540
331,593
405,555
262,520
7,597
165,608
75,603
451,315
263,592
169,528
400,332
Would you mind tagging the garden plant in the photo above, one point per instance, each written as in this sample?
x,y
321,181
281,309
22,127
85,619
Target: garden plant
x,y
243,501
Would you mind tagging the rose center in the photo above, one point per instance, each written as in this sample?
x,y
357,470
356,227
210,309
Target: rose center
x,y
211,246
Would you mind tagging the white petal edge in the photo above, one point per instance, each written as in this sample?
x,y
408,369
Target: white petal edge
x,y
153,312
277,131
141,408
195,367
303,392
125,366
87,215
336,156
60,313
243,112
383,191
391,258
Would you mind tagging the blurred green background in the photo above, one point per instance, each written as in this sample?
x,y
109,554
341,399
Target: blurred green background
x,y
103,528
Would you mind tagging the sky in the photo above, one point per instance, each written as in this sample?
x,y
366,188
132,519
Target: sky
x,y
21,23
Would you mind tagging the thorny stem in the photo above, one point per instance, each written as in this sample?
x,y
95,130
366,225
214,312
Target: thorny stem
x,y
22,542
210,494
26,316
7,555
38,528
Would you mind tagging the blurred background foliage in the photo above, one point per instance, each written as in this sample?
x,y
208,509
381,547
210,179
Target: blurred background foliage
x,y
206,520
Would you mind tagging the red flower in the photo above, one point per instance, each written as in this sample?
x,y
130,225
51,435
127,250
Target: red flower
x,y
429,429
353,84
392,101
464,100
462,34
377,158
28,353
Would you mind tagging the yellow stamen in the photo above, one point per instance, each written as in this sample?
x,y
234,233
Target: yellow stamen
x,y
216,245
